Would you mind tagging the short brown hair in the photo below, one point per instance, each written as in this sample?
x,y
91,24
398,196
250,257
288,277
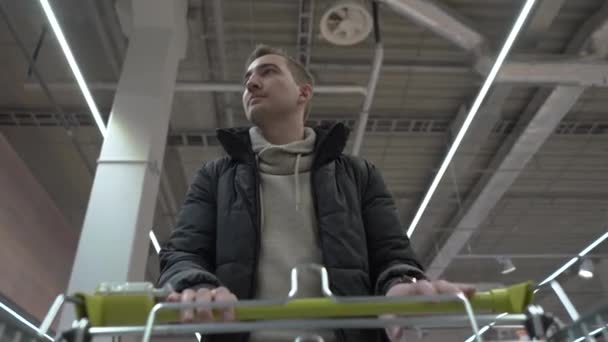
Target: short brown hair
x,y
300,74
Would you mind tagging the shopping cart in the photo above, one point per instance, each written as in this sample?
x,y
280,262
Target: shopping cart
x,y
119,309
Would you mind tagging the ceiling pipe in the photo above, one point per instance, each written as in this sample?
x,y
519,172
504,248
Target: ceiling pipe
x,y
195,87
371,85
412,67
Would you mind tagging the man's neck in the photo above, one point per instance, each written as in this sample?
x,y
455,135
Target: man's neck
x,y
281,133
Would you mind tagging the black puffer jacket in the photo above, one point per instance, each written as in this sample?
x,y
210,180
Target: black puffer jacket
x,y
217,237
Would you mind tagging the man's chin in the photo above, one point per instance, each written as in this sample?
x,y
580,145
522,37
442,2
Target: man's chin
x,y
256,115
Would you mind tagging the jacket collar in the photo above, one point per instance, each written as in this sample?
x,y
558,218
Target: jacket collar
x,y
330,142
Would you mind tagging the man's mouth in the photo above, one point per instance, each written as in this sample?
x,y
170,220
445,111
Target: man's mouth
x,y
251,100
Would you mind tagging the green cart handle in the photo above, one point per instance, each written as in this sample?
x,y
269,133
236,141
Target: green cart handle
x,y
103,310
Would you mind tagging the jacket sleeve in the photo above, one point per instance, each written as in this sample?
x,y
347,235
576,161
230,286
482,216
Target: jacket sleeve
x,y
187,259
389,251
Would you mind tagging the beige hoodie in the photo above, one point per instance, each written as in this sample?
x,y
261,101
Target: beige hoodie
x,y
289,234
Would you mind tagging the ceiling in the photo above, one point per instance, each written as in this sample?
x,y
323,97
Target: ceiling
x,y
529,181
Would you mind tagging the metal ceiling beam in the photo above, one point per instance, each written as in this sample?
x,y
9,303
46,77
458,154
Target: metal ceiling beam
x,y
306,12
544,13
220,46
515,153
369,97
580,71
489,115
509,162
450,26
409,67
377,63
576,72
440,20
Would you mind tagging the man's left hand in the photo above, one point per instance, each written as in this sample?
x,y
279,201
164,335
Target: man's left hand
x,y
424,288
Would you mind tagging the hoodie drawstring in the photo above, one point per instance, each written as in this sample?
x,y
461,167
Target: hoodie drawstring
x,y
296,173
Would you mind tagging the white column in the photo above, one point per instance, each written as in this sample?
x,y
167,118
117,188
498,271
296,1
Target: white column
x,y
114,240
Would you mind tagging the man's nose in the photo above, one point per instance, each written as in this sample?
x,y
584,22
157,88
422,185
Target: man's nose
x,y
253,84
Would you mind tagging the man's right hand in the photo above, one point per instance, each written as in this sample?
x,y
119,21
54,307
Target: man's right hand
x,y
204,295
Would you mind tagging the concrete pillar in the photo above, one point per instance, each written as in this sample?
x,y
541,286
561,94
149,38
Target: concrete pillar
x,y
114,240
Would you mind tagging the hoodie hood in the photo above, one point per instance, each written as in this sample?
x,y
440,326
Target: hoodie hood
x,y
329,143
285,159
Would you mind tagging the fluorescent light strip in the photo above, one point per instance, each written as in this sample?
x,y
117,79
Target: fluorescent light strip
x,y
481,332
50,15
593,245
154,241
593,333
523,15
23,320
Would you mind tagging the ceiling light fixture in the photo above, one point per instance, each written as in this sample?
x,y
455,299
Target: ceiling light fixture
x,y
69,56
507,265
521,18
586,269
572,261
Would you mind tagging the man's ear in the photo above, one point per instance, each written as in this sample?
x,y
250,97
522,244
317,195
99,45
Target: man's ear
x,y
305,92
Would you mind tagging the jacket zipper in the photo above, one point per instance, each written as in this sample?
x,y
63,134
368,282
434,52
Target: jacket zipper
x,y
258,228
315,204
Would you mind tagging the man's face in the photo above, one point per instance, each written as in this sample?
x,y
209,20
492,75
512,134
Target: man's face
x,y
270,90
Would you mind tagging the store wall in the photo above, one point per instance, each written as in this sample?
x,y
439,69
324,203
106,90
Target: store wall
x,y
37,245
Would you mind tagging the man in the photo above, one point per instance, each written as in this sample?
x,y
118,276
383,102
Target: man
x,y
286,195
